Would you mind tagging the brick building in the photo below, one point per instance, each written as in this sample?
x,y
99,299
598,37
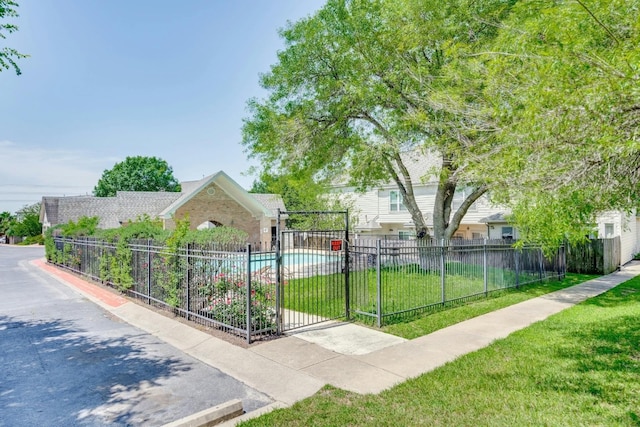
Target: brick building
x,y
216,200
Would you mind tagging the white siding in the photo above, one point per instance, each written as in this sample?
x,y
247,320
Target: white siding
x,y
625,226
375,205
628,241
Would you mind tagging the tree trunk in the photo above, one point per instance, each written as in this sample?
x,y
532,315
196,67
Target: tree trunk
x,y
447,183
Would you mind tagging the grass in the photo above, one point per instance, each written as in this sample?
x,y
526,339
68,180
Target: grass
x,y
405,288
579,367
421,324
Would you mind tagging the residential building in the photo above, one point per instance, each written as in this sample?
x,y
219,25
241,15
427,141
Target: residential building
x,y
623,224
380,211
216,200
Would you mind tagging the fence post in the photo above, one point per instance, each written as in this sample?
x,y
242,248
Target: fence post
x,y
149,271
515,255
347,299
188,281
279,295
485,272
541,257
248,279
442,271
378,284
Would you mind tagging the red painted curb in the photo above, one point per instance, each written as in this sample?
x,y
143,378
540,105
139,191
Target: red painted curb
x,y
103,295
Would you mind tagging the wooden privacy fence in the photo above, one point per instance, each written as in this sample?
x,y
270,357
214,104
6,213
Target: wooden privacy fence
x,y
595,256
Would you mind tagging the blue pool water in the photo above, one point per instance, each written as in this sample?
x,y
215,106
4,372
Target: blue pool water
x,y
259,261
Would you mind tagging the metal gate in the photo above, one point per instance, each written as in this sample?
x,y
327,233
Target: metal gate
x,y
312,268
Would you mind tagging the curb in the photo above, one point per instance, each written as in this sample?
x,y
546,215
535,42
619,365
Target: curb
x,y
255,414
212,416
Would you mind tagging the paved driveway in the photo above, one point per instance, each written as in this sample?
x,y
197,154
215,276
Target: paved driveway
x,y
65,361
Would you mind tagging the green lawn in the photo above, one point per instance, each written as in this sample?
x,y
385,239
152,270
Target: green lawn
x,y
403,288
424,323
580,367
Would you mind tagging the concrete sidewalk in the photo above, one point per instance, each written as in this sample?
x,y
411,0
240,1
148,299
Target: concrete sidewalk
x,y
344,355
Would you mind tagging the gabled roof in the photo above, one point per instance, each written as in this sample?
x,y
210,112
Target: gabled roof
x,y
231,187
112,211
130,205
49,209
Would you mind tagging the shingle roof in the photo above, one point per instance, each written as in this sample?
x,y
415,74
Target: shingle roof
x,y
72,208
130,205
273,202
267,204
133,204
496,217
50,205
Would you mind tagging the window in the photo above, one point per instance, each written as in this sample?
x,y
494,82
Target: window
x,y
460,197
404,235
507,232
477,236
609,230
395,201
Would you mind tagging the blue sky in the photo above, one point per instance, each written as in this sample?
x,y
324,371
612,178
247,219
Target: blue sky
x,y
107,79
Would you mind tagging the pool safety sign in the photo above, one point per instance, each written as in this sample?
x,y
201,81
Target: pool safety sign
x,y
336,245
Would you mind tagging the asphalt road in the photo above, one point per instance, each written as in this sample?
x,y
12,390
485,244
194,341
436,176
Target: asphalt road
x,y
64,361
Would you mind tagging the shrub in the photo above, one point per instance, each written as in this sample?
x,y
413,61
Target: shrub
x,y
226,301
33,240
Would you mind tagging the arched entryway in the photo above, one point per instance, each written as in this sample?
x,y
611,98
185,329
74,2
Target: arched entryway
x,y
209,224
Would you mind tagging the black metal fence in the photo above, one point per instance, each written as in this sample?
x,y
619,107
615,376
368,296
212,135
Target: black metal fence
x,y
388,279
217,287
311,279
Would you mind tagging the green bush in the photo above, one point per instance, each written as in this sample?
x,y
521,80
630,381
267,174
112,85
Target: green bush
x,y
219,235
86,226
115,265
33,240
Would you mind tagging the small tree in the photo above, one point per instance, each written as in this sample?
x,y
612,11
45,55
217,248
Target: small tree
x,y
137,174
26,222
5,222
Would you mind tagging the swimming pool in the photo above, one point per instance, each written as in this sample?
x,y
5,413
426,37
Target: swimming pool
x,y
262,260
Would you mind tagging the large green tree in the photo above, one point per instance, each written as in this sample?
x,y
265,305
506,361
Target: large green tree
x,y
301,193
8,56
565,80
137,173
363,84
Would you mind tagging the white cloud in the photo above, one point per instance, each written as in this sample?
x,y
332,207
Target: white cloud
x,y
28,173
